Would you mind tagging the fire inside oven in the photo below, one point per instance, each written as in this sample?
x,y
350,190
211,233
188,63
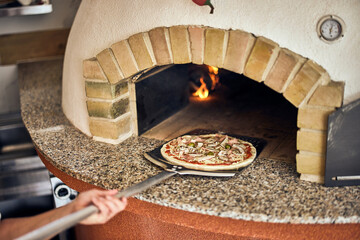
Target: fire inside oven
x,y
176,99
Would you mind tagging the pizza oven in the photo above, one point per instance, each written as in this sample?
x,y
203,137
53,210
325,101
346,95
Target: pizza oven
x,y
165,69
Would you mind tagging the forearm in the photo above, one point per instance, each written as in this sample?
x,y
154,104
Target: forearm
x,y
105,201
16,227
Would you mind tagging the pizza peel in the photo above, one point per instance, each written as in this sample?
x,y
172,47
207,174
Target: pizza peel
x,y
70,220
57,226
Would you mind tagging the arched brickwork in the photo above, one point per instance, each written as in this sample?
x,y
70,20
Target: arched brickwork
x,y
304,83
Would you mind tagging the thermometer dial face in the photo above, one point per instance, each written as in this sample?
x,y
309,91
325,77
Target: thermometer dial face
x,y
330,29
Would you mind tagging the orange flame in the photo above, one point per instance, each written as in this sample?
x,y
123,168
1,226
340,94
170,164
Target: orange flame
x,y
213,73
202,91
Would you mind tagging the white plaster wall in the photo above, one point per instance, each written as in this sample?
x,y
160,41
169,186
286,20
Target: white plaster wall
x,y
290,23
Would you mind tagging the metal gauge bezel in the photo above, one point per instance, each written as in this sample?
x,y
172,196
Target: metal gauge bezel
x,y
326,19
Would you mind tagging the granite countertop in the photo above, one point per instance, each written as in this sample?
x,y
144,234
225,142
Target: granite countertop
x,y
267,190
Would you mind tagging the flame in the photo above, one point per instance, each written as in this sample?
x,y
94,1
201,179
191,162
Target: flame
x,y
213,74
202,91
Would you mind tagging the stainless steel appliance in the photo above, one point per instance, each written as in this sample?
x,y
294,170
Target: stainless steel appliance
x,y
25,187
62,193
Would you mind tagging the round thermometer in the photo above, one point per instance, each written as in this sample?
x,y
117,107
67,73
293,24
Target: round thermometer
x,y
330,28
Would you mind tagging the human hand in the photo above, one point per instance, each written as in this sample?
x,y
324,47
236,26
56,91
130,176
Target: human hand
x,y
104,200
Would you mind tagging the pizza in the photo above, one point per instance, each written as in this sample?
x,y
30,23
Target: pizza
x,y
211,152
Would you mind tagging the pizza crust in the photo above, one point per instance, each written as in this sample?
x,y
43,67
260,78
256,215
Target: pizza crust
x,y
207,167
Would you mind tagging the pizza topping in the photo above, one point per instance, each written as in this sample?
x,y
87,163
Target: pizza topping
x,y
199,139
204,158
213,149
224,142
239,147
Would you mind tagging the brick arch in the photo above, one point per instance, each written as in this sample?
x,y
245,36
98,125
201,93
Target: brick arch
x,y
109,78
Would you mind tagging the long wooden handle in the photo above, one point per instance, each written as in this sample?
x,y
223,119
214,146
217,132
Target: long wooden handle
x,y
70,220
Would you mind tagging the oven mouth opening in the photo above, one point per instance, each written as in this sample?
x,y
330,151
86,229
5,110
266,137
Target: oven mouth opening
x,y
166,108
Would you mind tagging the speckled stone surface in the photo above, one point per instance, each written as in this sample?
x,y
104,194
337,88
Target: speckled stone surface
x,y
267,190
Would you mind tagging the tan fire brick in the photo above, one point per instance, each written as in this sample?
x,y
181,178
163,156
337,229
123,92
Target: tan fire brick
x,y
197,44
238,50
214,47
108,65
330,95
312,178
92,70
307,163
107,109
124,57
302,83
159,45
110,129
282,69
180,44
259,58
312,141
140,51
105,90
313,118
